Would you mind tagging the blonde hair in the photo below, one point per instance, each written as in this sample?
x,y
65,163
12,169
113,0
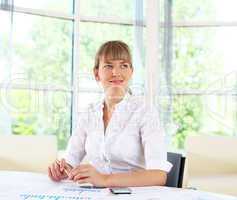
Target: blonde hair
x,y
113,50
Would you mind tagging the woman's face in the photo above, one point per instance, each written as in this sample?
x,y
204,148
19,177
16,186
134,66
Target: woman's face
x,y
114,75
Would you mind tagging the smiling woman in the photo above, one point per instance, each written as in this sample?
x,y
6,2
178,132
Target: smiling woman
x,y
118,119
113,68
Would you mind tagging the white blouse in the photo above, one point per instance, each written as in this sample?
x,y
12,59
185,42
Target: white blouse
x,y
133,138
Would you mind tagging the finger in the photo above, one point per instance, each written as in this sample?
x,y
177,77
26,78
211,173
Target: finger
x,y
81,167
64,176
50,174
68,167
61,165
77,171
64,165
64,168
53,176
81,176
84,180
53,173
56,171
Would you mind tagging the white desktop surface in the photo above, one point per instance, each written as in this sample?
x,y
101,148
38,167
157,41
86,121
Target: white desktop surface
x,y
34,186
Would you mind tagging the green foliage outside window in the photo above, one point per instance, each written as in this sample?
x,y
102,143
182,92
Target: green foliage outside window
x,y
47,60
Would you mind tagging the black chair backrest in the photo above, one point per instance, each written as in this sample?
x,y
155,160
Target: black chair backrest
x,y
175,176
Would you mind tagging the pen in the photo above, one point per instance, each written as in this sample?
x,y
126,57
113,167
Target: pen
x,y
86,186
64,169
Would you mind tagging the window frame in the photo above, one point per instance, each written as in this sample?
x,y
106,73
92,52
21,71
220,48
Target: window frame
x,y
76,18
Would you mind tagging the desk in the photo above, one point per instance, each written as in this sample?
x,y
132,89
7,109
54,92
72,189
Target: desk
x,y
35,186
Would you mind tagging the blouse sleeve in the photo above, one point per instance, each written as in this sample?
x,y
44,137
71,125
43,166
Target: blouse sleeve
x,y
75,151
153,141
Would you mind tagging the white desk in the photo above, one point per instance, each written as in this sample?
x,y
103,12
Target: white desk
x,y
34,186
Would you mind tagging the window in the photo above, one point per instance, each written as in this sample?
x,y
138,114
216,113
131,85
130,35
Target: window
x,y
204,76
47,51
47,74
102,21
59,6
36,58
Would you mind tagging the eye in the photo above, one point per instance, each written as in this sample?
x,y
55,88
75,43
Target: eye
x,y
125,66
108,66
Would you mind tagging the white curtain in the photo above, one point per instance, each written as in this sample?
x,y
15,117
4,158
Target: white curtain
x,y
6,65
159,61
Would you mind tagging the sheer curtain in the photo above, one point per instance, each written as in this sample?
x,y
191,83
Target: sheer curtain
x,y
159,61
139,48
6,9
166,70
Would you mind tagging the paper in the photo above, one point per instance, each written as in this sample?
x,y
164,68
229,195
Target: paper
x,y
34,186
50,197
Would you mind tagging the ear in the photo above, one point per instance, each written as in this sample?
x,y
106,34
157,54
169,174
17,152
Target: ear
x,y
131,71
96,74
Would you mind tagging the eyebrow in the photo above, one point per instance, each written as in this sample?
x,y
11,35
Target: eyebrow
x,y
123,61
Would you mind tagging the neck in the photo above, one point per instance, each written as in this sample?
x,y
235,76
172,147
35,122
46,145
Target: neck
x,y
112,100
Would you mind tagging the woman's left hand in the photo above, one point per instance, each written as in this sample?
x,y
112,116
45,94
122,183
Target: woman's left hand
x,y
86,173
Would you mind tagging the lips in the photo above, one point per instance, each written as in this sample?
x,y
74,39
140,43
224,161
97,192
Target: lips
x,y
116,81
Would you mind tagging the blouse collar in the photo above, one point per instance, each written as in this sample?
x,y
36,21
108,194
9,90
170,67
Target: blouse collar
x,y
100,104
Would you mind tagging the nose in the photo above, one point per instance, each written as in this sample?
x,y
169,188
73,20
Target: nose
x,y
116,71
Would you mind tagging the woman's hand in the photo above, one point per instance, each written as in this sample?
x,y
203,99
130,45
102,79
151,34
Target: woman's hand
x,y
86,173
59,170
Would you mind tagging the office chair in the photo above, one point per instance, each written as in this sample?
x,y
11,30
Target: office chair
x,y
27,153
175,176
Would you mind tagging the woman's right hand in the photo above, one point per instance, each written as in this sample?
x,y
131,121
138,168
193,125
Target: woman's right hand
x,y
59,170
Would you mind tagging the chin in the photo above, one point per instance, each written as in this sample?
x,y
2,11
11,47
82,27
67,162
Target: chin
x,y
116,91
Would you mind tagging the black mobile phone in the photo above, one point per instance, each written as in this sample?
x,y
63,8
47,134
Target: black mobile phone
x,y
120,190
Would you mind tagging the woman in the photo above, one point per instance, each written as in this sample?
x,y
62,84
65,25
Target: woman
x,y
120,135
